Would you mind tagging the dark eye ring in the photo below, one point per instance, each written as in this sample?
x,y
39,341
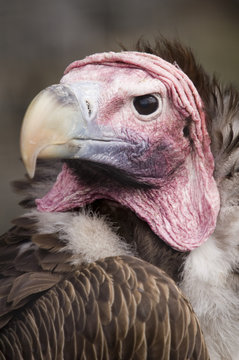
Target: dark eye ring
x,y
146,104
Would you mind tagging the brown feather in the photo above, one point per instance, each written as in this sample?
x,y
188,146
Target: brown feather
x,y
53,326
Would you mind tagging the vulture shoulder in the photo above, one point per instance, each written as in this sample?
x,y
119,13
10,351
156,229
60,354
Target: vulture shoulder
x,y
115,308
55,305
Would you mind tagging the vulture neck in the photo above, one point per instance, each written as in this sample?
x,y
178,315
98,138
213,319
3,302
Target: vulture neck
x,y
183,212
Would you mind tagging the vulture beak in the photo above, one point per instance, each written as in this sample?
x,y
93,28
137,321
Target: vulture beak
x,y
54,124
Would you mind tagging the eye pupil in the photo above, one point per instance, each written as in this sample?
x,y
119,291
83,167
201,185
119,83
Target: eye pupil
x,y
146,104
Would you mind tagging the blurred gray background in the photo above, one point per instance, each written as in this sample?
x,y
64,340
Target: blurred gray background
x,y
38,39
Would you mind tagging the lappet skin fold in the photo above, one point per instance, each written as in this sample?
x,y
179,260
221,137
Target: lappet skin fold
x,y
182,206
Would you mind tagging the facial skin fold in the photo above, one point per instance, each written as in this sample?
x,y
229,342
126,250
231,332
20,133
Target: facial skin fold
x,y
165,153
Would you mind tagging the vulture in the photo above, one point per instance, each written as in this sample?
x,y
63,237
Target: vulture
x,y
128,247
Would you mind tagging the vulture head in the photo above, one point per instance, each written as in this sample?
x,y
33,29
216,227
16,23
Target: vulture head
x,y
131,128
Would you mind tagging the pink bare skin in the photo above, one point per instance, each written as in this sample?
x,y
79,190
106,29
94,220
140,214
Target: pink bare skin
x,y
168,150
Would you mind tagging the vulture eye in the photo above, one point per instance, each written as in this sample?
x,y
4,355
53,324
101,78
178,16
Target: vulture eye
x,y
146,104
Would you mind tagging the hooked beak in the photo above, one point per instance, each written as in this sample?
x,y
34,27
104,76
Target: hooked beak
x,y
53,124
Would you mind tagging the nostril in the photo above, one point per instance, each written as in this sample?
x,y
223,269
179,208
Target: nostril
x,y
88,107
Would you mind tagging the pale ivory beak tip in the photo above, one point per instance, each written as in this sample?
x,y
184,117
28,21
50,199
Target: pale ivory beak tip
x,y
31,171
30,165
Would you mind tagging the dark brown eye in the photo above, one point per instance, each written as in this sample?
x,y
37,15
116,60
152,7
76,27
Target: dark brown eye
x,y
146,104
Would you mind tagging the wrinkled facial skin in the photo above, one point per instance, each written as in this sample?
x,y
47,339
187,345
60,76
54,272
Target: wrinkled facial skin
x,y
93,118
148,147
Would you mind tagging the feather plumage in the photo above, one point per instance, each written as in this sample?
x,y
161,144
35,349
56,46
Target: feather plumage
x,y
115,308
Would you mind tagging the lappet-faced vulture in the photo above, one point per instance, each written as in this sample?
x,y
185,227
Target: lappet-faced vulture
x,y
131,225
